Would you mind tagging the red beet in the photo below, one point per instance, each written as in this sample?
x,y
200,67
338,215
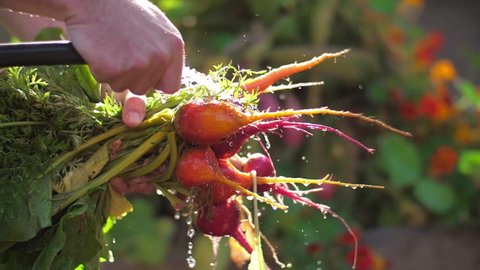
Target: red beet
x,y
223,220
197,166
208,122
260,163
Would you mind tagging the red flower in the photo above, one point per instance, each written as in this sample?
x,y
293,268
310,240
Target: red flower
x,y
443,161
438,108
314,248
408,110
428,48
365,259
428,106
347,238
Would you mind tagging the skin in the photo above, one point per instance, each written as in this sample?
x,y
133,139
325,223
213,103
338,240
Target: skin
x,y
129,44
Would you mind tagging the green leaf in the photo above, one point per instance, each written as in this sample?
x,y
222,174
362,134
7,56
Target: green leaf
x,y
437,197
25,205
82,244
50,33
378,92
469,94
401,160
48,254
90,86
469,162
386,6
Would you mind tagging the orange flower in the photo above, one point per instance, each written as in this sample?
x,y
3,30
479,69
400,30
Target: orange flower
x,y
415,3
443,161
396,35
442,71
379,262
463,134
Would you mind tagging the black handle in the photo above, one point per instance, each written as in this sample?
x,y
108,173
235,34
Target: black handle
x,y
39,54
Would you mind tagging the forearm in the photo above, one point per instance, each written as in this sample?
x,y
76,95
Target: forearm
x,y
57,9
24,26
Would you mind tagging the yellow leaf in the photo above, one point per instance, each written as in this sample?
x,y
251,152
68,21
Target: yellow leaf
x,y
119,205
84,172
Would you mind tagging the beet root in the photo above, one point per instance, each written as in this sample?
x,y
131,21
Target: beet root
x,y
223,220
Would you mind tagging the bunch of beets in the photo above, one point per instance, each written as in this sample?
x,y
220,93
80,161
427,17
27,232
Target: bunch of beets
x,y
188,150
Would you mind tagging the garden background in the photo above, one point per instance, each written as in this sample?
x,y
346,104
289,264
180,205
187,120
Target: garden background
x,y
414,65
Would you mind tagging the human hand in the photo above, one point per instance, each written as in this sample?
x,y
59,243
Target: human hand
x,y
130,45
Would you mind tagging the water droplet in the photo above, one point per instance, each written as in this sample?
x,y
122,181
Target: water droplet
x,y
110,256
191,232
354,187
289,265
191,262
113,240
190,245
304,158
267,141
176,216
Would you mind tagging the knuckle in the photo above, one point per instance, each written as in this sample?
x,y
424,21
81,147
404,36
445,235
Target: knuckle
x,y
160,56
178,43
140,63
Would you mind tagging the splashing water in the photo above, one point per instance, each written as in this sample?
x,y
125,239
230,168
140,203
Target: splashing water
x,y
190,232
191,262
191,77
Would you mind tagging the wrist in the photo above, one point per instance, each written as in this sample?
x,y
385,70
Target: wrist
x,y
57,9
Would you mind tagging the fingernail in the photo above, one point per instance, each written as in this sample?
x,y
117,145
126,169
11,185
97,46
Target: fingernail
x,y
134,118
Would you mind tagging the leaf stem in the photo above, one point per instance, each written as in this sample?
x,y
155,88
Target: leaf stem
x,y
105,177
22,123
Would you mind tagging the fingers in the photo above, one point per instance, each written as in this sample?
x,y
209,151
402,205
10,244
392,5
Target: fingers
x,y
134,108
163,71
171,78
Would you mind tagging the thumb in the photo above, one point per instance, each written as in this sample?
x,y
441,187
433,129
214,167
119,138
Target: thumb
x,y
134,108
